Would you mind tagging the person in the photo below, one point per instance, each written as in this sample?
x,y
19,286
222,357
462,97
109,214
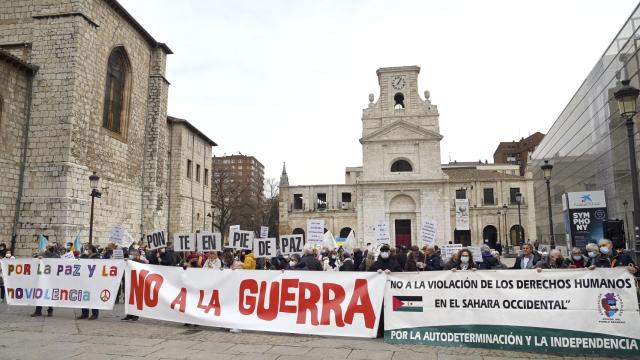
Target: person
x,y
499,247
500,265
553,261
466,261
279,262
415,260
610,257
433,261
385,261
453,262
134,255
366,263
489,262
331,262
1,287
347,262
528,259
90,252
402,256
592,252
212,262
295,263
577,260
310,261
50,253
229,261
357,258
248,261
164,257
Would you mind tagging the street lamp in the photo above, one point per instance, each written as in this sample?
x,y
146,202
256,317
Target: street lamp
x,y
627,97
506,226
519,201
626,221
93,181
546,173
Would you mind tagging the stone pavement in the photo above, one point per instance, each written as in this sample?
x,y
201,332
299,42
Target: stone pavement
x,y
64,337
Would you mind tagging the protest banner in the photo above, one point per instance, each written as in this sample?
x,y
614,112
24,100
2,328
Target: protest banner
x,y
462,214
68,256
83,283
565,311
301,302
448,249
117,234
476,253
315,231
382,233
207,241
184,242
264,247
156,240
234,228
264,232
428,232
241,240
291,244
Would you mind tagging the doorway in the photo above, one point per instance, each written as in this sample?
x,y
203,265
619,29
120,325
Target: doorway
x,y
490,236
403,232
462,237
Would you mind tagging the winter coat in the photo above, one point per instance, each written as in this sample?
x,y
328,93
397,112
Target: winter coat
x,y
311,263
547,264
389,263
214,264
488,262
412,261
347,265
249,262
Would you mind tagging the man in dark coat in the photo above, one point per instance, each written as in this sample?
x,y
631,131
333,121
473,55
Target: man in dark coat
x,y
528,259
385,261
311,262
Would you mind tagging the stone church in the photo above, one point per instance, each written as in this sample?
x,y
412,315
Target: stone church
x,y
402,181
83,90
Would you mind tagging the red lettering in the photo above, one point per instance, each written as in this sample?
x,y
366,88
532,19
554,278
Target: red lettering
x,y
308,303
329,304
361,303
214,303
137,288
274,294
181,300
250,301
285,295
27,269
152,283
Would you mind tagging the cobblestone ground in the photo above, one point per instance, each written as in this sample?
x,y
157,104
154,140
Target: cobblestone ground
x,y
64,337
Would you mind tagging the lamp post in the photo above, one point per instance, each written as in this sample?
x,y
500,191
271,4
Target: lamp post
x,y
627,97
626,222
506,227
93,181
519,201
546,173
500,231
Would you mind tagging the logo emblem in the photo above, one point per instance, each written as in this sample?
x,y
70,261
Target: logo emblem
x,y
610,305
407,303
105,295
586,198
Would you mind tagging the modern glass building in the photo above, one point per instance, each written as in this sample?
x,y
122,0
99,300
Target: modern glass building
x,y
587,145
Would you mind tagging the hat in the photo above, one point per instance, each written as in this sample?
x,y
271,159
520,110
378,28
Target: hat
x,y
385,248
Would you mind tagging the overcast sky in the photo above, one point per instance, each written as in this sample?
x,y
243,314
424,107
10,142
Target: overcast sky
x,y
287,80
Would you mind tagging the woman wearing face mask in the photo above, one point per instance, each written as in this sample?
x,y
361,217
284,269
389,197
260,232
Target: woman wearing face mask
x,y
466,261
295,263
385,261
331,262
592,252
212,262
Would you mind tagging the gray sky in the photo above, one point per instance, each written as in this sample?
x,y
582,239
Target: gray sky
x,y
287,80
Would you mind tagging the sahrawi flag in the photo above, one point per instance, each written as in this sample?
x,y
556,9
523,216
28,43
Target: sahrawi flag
x,y
407,303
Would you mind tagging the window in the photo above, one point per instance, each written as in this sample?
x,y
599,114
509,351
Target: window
x,y
461,194
488,196
189,169
346,197
116,92
322,201
206,177
399,101
297,201
198,172
512,194
401,166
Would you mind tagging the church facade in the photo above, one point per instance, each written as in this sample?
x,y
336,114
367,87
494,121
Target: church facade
x,y
403,183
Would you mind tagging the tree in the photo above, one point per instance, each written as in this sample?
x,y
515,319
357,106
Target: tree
x,y
271,208
226,198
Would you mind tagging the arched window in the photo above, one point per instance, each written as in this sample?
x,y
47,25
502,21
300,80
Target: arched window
x,y
116,95
401,166
399,101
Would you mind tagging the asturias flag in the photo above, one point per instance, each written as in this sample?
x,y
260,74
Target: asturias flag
x,y
407,303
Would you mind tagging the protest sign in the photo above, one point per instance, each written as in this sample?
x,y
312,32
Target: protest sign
x,y
184,242
568,311
382,233
207,241
234,228
117,234
117,254
68,256
156,240
291,244
264,232
476,252
315,231
301,302
84,283
449,249
428,232
264,247
241,239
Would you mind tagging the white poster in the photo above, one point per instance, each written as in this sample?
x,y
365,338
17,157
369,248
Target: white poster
x,y
315,231
184,242
291,244
428,232
462,214
448,249
207,241
241,239
382,233
117,234
264,232
264,247
476,253
300,302
83,283
566,311
156,240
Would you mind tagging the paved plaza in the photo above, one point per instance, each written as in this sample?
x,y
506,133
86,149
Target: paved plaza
x,y
64,337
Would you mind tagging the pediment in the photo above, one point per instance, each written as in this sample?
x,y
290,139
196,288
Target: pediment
x,y
400,131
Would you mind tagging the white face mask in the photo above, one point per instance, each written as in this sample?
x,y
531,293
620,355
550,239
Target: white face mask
x,y
464,259
333,257
384,255
292,263
592,254
577,257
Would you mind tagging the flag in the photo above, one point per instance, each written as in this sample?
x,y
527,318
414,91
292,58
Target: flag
x,y
407,303
76,243
42,243
328,241
351,242
127,239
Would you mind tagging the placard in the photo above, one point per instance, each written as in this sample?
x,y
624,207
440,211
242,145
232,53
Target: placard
x,y
207,241
382,233
264,248
156,240
291,244
264,232
448,249
241,240
117,234
184,242
315,231
117,254
428,232
476,253
68,256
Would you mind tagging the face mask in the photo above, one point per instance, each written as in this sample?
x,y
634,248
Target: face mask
x,y
292,263
604,250
333,257
7,255
592,254
464,259
384,255
162,250
577,257
86,252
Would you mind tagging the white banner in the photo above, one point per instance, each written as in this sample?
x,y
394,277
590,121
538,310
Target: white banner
x,y
382,233
448,249
301,302
428,232
241,239
156,240
184,242
315,231
571,311
264,232
84,283
462,214
207,241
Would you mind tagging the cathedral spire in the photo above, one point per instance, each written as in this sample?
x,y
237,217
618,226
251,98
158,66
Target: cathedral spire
x,y
284,179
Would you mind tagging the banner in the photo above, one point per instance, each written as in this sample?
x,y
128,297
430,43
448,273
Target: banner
x,y
301,302
584,214
315,231
568,311
84,283
428,232
462,214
